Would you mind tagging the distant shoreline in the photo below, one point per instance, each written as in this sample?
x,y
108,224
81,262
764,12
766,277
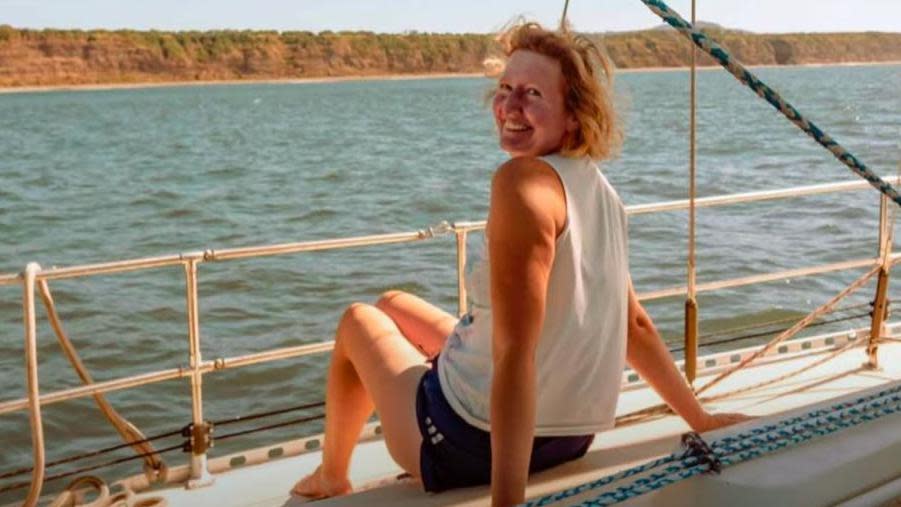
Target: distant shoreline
x,y
374,77
227,82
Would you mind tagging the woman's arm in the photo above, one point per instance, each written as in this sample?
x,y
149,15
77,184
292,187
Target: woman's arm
x,y
648,355
528,209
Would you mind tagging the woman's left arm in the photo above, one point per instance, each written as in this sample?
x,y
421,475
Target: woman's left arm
x,y
528,208
648,355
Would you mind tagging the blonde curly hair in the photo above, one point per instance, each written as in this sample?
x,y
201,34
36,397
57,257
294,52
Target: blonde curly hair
x,y
588,77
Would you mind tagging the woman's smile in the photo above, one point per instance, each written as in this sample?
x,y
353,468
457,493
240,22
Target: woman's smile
x,y
513,126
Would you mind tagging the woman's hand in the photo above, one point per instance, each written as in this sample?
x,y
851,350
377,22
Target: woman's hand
x,y
649,356
710,421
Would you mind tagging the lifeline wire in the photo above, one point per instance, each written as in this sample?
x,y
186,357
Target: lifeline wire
x,y
62,475
92,454
224,422
770,332
765,92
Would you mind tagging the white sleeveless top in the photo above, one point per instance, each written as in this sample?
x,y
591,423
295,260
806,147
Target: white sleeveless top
x,y
582,346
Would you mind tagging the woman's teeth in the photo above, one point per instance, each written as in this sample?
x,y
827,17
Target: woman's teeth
x,y
515,127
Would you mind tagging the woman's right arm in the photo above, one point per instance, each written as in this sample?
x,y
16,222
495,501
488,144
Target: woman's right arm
x,y
647,354
527,211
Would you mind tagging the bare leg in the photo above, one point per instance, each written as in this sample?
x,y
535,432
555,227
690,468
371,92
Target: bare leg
x,y
425,325
373,366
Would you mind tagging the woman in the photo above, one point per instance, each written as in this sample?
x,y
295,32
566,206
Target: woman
x,y
539,358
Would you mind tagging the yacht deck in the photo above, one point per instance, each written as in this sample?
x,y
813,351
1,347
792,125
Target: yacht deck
x,y
824,471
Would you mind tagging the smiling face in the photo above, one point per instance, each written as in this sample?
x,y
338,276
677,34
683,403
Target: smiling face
x,y
528,105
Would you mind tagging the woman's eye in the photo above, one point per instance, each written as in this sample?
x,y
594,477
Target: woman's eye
x,y
504,88
533,92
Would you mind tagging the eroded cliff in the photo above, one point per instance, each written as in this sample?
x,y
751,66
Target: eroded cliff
x,y
70,57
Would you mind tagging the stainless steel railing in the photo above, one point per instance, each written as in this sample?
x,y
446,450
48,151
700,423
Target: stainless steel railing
x,y
198,367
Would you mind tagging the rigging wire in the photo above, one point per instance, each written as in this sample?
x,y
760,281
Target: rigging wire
x,y
181,446
778,321
21,485
223,422
271,426
250,417
770,332
769,323
118,461
563,17
91,454
735,68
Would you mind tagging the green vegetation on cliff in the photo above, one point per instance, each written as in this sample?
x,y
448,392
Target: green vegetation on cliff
x,y
68,57
666,48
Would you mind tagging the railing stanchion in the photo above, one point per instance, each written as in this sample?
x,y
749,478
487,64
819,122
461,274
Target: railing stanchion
x,y
880,303
199,436
461,272
31,377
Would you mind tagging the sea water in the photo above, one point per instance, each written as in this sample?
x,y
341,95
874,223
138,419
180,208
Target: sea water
x,y
92,176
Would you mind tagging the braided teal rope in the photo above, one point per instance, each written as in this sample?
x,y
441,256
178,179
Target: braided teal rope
x,y
738,448
755,448
770,95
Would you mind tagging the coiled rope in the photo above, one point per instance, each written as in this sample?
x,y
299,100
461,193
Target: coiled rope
x,y
74,496
735,449
765,92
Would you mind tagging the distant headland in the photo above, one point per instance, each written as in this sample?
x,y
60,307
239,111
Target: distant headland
x,y
39,58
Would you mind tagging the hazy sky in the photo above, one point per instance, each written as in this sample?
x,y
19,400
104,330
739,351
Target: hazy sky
x,y
444,15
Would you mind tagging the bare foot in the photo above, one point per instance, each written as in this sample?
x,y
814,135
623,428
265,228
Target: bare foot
x,y
317,486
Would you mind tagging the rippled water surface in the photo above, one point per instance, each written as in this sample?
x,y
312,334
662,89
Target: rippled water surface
x,y
96,176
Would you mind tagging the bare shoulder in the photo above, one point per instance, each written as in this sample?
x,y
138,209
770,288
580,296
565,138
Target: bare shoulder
x,y
525,171
529,186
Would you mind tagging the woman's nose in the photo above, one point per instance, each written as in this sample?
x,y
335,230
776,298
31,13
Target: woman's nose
x,y
513,101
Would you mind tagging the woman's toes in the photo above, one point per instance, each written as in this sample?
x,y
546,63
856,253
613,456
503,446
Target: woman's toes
x,y
308,487
317,486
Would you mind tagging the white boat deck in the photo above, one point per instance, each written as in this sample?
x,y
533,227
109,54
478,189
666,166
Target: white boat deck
x,y
824,471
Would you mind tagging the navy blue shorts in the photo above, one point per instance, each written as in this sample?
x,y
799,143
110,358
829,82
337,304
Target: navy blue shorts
x,y
455,454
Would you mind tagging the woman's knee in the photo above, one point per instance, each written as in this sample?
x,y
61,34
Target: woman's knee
x,y
386,300
353,319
